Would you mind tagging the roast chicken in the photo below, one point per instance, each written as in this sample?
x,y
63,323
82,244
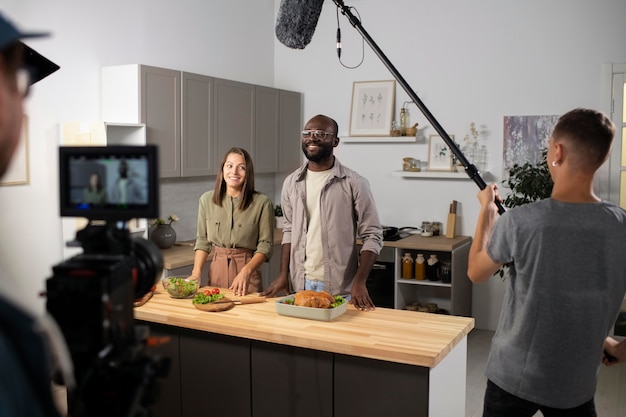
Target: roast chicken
x,y
310,298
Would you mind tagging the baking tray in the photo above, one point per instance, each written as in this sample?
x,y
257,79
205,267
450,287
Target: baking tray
x,y
311,313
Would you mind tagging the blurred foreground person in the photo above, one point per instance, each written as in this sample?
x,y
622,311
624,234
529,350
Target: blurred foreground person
x,y
25,354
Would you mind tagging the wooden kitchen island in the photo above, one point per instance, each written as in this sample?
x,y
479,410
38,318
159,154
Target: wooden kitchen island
x,y
251,361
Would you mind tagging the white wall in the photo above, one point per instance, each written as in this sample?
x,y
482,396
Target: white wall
x,y
468,62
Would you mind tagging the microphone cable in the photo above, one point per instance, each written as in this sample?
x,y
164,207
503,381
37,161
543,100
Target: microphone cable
x,y
339,43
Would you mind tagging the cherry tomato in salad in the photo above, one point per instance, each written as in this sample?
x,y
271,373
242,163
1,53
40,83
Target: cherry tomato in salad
x,y
207,292
215,291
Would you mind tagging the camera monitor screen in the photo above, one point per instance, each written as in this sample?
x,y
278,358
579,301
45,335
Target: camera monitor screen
x,y
109,183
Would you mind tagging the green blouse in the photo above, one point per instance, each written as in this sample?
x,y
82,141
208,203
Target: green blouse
x,y
229,227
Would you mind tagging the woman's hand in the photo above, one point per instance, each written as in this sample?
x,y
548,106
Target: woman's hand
x,y
240,283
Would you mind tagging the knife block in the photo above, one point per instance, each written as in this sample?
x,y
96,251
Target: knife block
x,y
451,226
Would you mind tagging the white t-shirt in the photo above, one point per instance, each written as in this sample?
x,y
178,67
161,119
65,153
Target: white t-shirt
x,y
313,261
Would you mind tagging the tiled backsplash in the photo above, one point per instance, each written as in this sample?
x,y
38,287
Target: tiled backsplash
x,y
180,196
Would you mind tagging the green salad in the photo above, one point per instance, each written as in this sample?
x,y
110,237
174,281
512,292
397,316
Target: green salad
x,y
180,287
203,298
339,300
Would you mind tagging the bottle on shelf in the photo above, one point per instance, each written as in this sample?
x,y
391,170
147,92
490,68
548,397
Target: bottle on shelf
x,y
420,267
403,121
407,266
432,268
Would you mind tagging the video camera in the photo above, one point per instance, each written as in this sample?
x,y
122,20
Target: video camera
x,y
91,295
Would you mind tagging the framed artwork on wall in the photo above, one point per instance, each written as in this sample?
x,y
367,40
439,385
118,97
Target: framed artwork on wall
x,y
18,173
439,155
371,113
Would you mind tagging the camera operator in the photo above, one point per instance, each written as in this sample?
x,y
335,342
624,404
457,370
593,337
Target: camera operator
x,y
25,340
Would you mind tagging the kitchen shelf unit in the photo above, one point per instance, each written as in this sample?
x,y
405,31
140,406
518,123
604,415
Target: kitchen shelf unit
x,y
456,296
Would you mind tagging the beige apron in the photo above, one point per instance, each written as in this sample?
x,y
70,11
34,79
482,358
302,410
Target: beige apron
x,y
227,263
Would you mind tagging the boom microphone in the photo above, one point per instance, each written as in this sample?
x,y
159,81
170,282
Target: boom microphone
x,y
296,22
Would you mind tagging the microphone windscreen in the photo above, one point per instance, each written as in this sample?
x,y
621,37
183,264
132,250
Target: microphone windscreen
x,y
296,22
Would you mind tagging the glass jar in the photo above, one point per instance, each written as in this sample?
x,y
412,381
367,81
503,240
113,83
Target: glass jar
x,y
427,229
432,268
403,121
420,267
407,266
445,272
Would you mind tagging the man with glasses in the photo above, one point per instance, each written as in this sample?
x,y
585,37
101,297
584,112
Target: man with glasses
x,y
326,207
25,374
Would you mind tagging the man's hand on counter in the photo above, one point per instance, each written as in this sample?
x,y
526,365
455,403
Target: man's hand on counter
x,y
280,284
360,298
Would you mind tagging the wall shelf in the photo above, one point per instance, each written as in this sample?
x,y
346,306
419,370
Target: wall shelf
x,y
431,174
378,139
424,282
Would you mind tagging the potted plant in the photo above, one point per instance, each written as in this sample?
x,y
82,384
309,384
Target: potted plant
x,y
278,214
528,183
163,234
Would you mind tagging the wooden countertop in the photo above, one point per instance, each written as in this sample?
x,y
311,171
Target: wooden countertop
x,y
432,243
408,337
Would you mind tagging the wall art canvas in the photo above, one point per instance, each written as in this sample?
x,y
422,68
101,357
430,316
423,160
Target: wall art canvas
x,y
524,138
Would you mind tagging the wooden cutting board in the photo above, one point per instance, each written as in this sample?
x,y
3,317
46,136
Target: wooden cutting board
x,y
228,303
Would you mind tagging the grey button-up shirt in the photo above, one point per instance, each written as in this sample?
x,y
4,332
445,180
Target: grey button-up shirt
x,y
348,212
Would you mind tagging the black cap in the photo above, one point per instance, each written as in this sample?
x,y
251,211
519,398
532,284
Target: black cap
x,y
38,65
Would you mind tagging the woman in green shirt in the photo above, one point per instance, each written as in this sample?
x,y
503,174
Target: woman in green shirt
x,y
235,226
95,192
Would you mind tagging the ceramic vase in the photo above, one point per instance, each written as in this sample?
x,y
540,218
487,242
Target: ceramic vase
x,y
163,235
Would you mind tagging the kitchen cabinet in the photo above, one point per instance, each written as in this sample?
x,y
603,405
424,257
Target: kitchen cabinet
x,y
454,296
267,128
289,148
233,116
197,125
195,119
148,95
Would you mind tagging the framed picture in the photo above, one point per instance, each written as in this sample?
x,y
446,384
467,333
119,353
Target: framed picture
x,y
372,108
17,173
439,154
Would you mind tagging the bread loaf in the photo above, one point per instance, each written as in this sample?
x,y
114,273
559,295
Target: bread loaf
x,y
310,298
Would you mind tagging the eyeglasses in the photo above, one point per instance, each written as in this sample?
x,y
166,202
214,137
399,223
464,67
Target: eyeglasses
x,y
23,77
318,134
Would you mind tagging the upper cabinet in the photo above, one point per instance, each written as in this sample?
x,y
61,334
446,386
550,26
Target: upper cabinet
x,y
148,95
267,129
233,116
289,148
195,119
197,125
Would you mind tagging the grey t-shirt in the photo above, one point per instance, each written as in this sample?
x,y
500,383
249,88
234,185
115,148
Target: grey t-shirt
x,y
564,292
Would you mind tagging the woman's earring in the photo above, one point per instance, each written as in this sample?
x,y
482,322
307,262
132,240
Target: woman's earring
x,y
555,164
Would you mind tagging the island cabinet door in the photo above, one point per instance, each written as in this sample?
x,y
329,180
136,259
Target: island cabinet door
x,y
214,374
291,382
167,403
368,387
